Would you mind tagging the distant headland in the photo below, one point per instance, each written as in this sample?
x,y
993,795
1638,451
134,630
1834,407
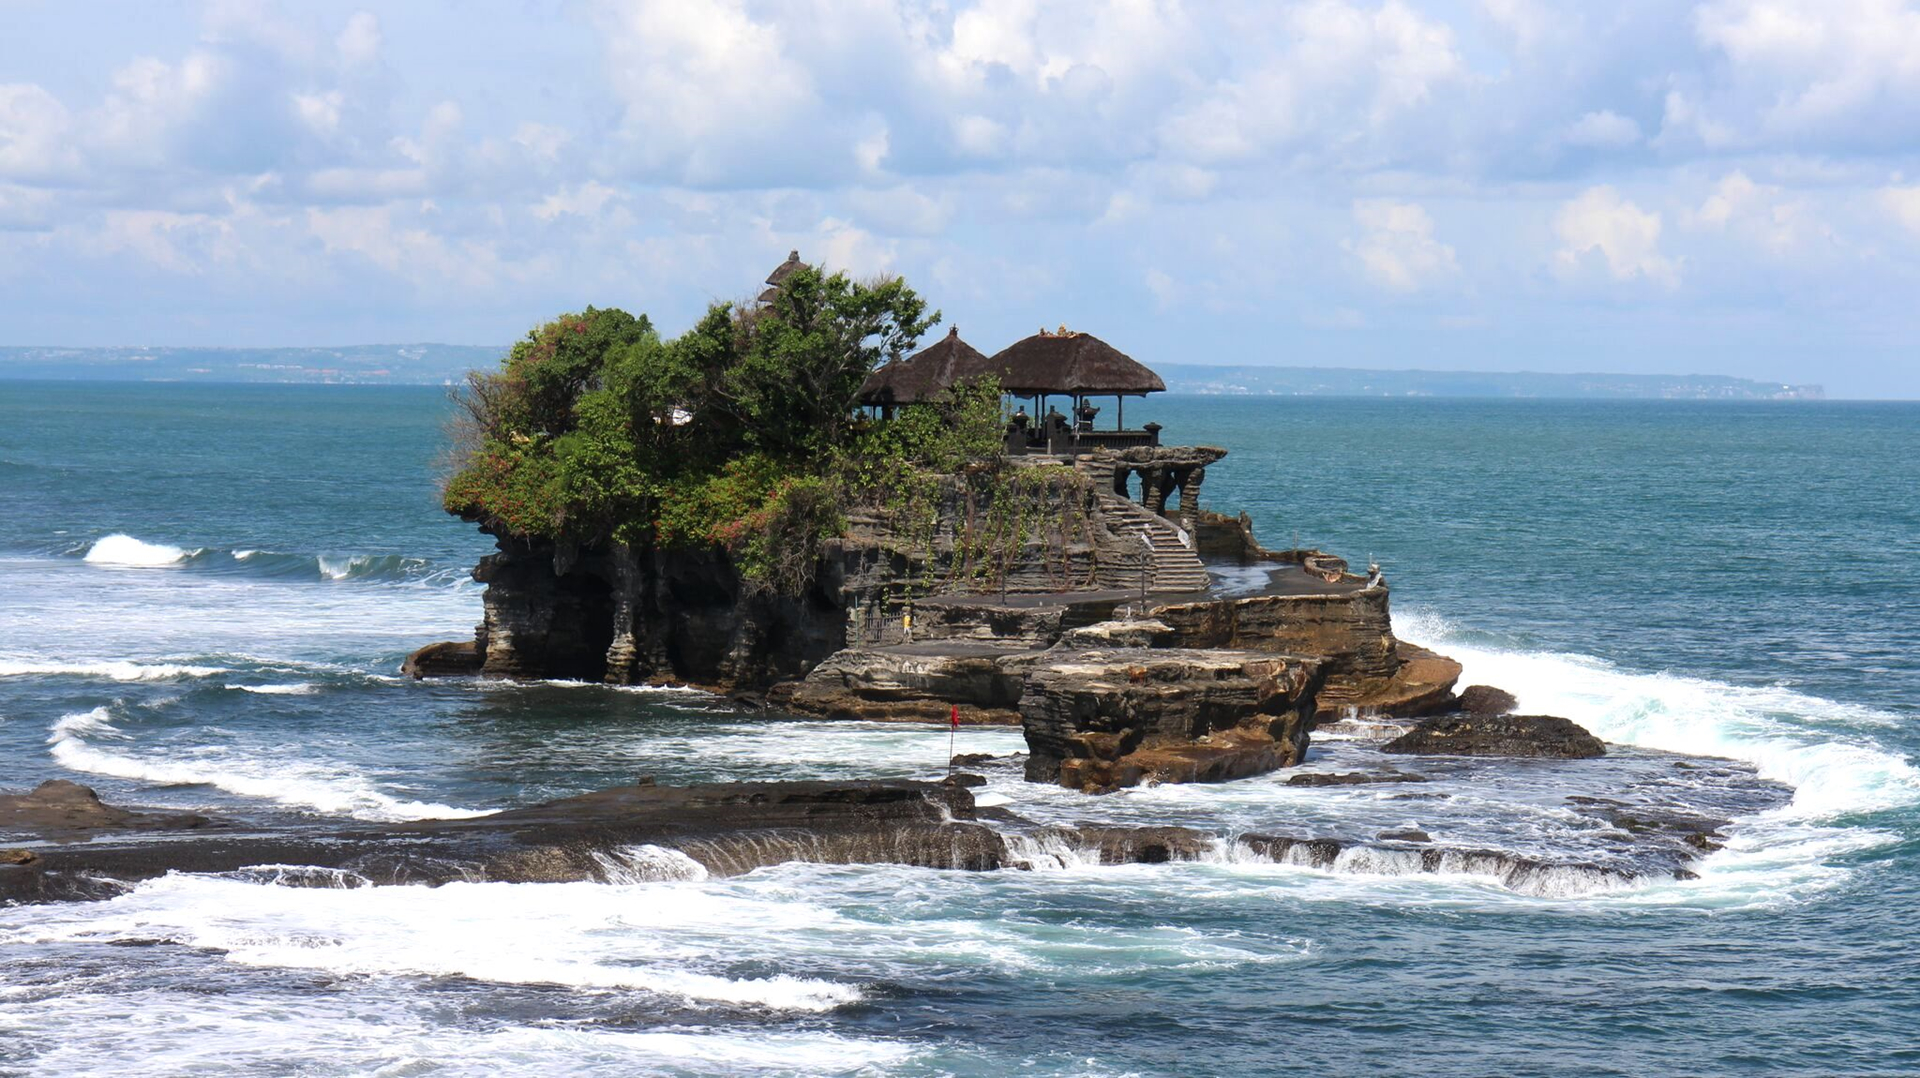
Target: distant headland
x,y
437,364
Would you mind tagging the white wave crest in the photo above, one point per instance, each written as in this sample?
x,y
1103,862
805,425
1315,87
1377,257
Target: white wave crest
x,y
298,688
115,671
124,551
81,723
1823,749
334,791
587,935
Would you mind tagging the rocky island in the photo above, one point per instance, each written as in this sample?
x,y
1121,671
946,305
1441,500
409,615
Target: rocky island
x,y
788,506
946,538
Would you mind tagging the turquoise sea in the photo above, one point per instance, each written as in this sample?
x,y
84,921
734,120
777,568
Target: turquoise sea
x,y
206,591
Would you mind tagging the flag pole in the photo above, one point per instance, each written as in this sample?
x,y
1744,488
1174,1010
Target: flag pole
x,y
952,729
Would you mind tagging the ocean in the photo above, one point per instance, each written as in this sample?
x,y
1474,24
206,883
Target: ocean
x,y
206,592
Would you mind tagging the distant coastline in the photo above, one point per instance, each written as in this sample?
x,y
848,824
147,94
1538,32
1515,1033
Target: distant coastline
x,y
437,364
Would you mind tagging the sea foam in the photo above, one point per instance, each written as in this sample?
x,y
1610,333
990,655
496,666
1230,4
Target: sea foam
x,y
652,938
1824,749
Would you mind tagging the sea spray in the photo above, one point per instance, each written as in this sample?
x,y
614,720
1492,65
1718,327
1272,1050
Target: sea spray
x,y
124,551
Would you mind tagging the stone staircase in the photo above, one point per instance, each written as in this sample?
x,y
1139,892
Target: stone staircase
x,y
1176,567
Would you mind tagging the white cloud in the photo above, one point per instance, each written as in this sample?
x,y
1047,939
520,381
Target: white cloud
x,y
1811,72
582,200
979,136
359,40
1397,247
320,111
1334,75
1762,213
845,246
905,209
412,253
1605,129
1626,238
707,89
1166,291
1903,204
34,128
149,102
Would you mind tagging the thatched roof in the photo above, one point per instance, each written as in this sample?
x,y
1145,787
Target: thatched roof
x,y
925,373
1067,362
786,269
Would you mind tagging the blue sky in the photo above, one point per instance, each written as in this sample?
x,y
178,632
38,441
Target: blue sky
x,y
1638,185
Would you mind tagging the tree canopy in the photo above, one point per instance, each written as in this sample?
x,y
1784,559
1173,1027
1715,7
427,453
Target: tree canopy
x,y
740,433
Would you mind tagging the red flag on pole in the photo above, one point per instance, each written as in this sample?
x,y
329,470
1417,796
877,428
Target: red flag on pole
x,y
956,716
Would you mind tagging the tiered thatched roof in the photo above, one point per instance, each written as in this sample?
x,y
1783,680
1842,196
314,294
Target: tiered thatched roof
x,y
924,374
780,273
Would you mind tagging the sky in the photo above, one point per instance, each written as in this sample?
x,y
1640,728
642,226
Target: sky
x,y
1647,186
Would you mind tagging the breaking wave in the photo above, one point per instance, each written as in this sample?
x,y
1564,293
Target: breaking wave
x,y
120,550
652,938
1824,749
127,552
113,671
300,784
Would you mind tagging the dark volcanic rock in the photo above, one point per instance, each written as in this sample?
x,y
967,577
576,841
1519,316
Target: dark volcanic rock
x,y
1352,778
1411,834
1486,701
727,828
58,806
1099,720
1500,735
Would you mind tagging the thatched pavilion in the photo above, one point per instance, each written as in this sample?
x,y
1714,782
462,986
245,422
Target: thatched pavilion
x,y
1077,365
924,374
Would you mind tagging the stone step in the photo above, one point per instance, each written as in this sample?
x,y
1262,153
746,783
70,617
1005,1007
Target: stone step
x,y
1175,565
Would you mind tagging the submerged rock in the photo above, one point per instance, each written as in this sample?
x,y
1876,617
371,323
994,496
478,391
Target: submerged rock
x,y
1352,778
1411,834
1499,735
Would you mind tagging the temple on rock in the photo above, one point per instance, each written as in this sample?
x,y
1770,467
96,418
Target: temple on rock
x,y
1136,635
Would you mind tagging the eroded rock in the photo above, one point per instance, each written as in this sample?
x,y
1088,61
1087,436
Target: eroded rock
x,y
1100,720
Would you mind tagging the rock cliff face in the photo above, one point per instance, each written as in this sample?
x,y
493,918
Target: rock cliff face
x,y
1115,683
622,615
1352,633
